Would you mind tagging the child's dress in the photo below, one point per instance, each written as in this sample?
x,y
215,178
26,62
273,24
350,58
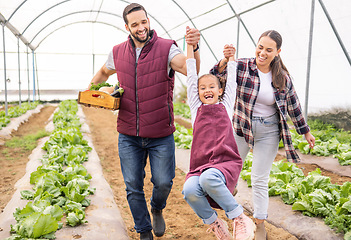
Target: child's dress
x,y
213,143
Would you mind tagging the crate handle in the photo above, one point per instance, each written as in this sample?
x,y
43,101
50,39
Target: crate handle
x,y
97,95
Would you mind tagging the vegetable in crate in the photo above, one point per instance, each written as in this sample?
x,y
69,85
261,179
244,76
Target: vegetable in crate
x,y
100,85
115,91
118,91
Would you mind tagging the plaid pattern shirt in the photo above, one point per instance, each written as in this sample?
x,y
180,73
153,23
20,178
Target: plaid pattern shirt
x,y
287,102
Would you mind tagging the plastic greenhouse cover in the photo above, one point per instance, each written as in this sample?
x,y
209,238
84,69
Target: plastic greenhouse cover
x,y
71,39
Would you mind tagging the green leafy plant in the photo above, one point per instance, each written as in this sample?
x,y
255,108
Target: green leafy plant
x,y
182,109
183,137
313,195
61,185
99,85
15,112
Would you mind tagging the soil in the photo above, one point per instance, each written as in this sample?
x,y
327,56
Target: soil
x,y
182,222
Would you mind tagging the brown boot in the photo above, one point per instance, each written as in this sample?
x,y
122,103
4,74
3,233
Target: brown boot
x,y
261,233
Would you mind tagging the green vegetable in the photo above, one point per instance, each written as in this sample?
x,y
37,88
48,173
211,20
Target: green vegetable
x,y
61,184
183,137
99,85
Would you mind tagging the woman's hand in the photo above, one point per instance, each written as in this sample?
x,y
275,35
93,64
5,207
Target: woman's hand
x,y
229,51
310,139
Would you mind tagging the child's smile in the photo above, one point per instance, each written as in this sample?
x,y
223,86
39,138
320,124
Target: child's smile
x,y
209,89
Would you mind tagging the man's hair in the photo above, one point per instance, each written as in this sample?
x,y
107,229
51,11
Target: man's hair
x,y
133,7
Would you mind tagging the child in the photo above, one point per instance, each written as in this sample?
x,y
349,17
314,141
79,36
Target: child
x,y
215,163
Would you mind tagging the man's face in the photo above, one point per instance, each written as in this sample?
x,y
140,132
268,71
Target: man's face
x,y
138,26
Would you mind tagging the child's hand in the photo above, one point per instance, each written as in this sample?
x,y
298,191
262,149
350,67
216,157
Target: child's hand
x,y
192,36
229,52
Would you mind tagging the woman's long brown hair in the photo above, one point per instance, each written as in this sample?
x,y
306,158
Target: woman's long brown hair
x,y
279,71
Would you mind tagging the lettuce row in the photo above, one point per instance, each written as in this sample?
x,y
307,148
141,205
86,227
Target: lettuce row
x,y
15,112
61,183
330,141
313,195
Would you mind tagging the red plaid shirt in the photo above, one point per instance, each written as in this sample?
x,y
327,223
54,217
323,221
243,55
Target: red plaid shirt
x,y
286,101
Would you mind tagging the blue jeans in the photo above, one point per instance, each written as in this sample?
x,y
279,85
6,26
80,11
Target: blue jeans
x,y
133,154
212,183
266,143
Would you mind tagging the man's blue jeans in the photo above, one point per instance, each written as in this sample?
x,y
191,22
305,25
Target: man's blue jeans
x,y
133,154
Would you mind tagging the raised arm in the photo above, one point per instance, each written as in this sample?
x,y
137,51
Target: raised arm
x,y
230,88
192,82
178,63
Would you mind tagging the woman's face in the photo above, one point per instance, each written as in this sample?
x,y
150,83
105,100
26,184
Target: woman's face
x,y
266,50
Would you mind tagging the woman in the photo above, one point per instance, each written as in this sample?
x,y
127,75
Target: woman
x,y
265,94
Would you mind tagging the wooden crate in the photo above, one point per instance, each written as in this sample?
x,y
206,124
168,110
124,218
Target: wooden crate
x,y
98,99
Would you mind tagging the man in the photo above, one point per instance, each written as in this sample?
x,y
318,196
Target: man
x,y
145,66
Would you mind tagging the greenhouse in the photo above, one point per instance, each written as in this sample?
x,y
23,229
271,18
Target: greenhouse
x,y
52,49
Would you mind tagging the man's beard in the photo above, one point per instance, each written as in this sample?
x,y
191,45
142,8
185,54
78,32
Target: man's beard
x,y
135,36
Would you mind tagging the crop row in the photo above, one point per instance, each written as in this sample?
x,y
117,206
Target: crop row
x,y
61,183
314,195
15,111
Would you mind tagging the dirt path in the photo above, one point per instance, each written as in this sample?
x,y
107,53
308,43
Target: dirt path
x,y
13,161
182,223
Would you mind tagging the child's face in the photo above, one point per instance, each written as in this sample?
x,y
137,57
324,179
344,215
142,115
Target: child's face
x,y
209,90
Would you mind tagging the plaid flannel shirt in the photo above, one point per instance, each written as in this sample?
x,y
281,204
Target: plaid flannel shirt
x,y
287,102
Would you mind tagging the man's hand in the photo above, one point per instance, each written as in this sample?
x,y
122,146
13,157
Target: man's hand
x,y
192,36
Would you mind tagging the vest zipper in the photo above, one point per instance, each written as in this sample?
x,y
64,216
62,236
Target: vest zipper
x,y
136,100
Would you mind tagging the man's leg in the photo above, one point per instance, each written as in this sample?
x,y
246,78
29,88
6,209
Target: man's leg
x,y
133,160
162,162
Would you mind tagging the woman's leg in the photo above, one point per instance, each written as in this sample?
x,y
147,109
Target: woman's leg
x,y
266,135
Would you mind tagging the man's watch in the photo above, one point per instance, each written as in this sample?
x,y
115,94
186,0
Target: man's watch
x,y
197,47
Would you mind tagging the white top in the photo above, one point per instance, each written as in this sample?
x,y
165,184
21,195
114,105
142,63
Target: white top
x,y
264,105
174,50
193,93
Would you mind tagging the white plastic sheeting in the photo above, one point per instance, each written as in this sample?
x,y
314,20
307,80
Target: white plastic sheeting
x,y
71,39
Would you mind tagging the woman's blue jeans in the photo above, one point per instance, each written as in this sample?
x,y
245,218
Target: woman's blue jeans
x,y
212,183
133,154
266,142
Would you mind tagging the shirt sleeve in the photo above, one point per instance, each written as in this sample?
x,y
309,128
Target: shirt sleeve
x,y
215,72
110,64
192,90
295,111
173,51
230,89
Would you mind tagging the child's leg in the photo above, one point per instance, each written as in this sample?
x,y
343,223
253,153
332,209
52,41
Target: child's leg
x,y
212,181
196,198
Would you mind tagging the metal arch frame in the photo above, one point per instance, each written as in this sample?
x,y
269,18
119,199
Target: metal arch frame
x,y
185,13
59,3
69,14
42,14
16,9
77,22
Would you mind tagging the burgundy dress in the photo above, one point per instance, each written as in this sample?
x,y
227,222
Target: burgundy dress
x,y
214,145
